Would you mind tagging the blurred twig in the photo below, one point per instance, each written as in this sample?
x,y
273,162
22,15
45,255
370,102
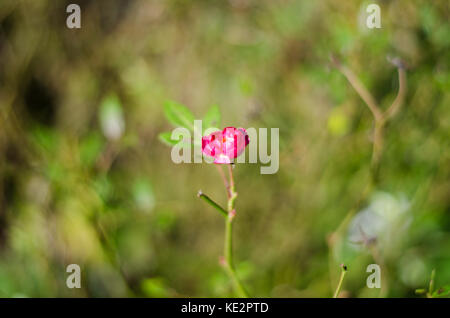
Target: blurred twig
x,y
395,106
359,87
380,119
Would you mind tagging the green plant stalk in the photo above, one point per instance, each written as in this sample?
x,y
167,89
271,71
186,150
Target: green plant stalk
x,y
431,286
228,246
229,214
341,280
211,202
229,266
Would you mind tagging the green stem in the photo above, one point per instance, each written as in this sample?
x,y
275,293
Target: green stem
x,y
431,286
341,280
228,246
208,200
229,265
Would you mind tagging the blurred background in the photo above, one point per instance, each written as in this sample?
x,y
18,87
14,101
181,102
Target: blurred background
x,y
84,178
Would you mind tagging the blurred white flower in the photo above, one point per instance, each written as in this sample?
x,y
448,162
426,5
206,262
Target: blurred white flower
x,y
111,118
382,221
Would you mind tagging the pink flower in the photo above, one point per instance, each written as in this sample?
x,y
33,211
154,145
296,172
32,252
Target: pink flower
x,y
226,144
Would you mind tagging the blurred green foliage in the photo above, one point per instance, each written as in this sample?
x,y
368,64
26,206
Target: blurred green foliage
x,y
84,177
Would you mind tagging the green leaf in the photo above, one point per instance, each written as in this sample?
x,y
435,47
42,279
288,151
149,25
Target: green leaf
x,y
212,117
166,138
179,115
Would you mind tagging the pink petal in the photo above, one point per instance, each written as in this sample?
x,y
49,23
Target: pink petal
x,y
222,159
212,144
235,141
225,145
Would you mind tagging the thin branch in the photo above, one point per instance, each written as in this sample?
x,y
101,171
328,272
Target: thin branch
x,y
341,280
208,200
225,181
359,88
230,171
395,107
380,118
232,191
